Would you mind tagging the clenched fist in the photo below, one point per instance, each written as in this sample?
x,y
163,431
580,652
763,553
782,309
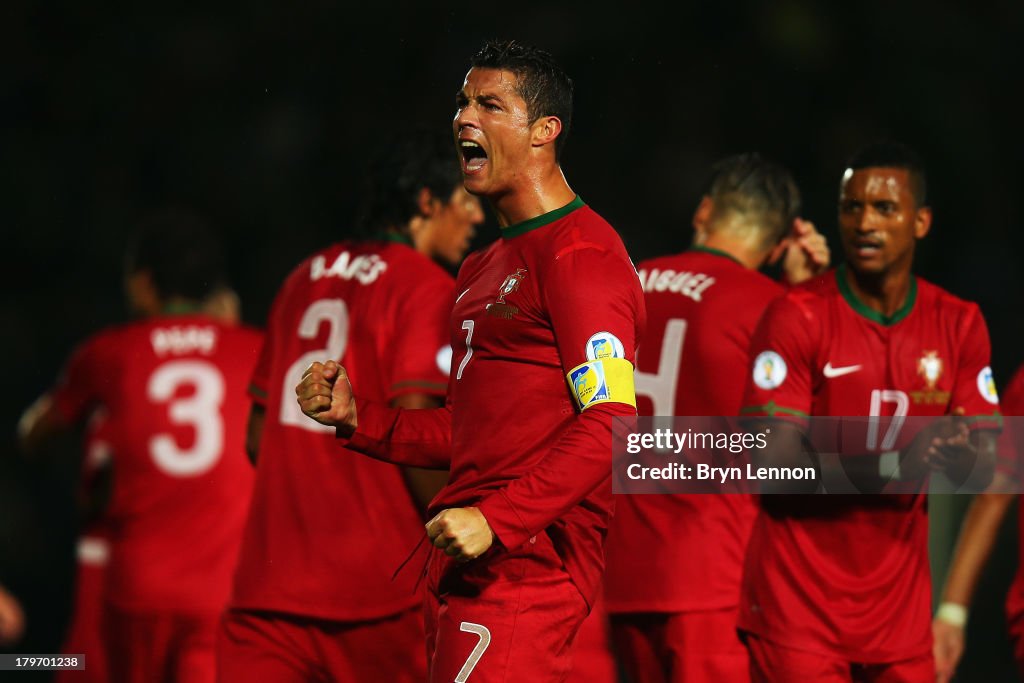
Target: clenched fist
x,y
325,394
463,533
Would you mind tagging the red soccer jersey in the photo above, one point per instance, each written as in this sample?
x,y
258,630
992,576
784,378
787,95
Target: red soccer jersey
x,y
381,309
182,481
1011,450
848,576
702,308
552,299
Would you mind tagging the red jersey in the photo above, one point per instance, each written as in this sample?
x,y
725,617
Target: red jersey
x,y
182,480
381,309
848,576
1011,451
702,308
546,320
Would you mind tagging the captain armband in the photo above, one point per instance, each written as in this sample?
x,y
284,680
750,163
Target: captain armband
x,y
604,380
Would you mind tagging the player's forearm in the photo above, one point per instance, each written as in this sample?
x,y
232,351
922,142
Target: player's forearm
x,y
578,463
977,538
414,438
976,467
785,448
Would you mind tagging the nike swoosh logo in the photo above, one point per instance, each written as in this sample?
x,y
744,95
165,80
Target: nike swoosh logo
x,y
831,372
463,294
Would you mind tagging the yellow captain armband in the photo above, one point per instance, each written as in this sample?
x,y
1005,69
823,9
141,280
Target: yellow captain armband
x,y
605,380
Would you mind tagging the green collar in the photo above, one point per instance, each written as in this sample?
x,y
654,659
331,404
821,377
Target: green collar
x,y
396,237
716,252
540,221
869,313
181,308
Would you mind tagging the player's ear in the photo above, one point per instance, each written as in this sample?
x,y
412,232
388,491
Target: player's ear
x,y
545,130
702,219
143,296
425,202
922,221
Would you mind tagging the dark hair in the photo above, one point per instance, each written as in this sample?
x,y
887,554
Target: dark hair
x,y
888,154
760,190
182,253
396,174
540,81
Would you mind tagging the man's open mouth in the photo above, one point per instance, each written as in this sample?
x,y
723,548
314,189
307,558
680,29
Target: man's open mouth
x,y
474,158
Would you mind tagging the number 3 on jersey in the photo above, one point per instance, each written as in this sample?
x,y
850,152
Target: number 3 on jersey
x,y
201,411
334,313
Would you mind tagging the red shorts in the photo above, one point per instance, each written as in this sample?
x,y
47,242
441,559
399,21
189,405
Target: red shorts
x,y
508,616
277,648
592,660
84,633
159,647
771,663
695,647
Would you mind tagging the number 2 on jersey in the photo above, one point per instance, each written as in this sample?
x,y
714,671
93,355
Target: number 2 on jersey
x,y
334,313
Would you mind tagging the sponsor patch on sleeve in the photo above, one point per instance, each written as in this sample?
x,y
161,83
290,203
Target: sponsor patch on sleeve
x,y
604,380
604,345
769,370
987,386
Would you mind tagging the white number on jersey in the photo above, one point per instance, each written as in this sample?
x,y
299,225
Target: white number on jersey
x,y
334,312
661,387
200,410
478,651
466,325
878,397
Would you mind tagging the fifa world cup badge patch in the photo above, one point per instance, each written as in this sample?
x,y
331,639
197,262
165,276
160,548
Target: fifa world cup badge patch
x,y
987,386
604,345
500,309
769,370
607,380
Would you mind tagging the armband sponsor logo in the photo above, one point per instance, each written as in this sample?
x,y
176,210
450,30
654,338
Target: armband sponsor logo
x,y
769,370
602,381
604,345
987,386
365,268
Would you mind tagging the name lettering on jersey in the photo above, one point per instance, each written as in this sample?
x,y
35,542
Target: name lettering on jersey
x,y
688,284
987,386
176,341
930,368
364,268
500,309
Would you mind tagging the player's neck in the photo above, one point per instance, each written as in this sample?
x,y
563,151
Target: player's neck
x,y
536,195
735,249
884,293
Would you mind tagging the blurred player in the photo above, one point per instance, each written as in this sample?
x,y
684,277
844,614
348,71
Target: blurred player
x,y
312,598
12,619
836,588
702,306
182,481
977,537
93,549
544,329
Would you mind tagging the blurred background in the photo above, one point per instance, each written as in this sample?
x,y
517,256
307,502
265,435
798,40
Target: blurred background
x,y
261,116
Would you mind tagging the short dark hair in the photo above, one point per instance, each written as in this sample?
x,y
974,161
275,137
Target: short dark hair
x,y
889,154
182,253
397,173
760,190
540,81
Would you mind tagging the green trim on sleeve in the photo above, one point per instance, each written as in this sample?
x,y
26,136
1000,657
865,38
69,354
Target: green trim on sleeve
x,y
772,409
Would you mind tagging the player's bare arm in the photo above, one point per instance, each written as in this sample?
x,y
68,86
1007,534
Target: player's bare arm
x,y
325,395
38,423
462,533
787,448
12,618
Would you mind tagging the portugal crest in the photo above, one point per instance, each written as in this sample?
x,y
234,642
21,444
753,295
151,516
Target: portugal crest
x,y
930,367
499,308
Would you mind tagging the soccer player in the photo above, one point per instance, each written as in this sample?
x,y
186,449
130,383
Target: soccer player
x,y
977,537
675,561
545,326
836,588
312,598
182,479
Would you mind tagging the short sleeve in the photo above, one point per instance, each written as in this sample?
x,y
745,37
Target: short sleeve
x,y
78,390
974,388
782,362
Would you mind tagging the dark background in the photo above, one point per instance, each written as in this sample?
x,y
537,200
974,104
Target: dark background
x,y
261,116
